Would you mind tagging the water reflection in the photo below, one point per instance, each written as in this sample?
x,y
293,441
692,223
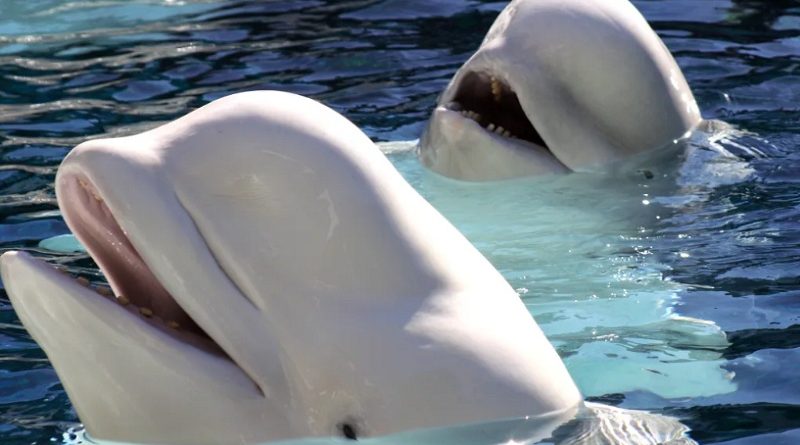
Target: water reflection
x,y
75,70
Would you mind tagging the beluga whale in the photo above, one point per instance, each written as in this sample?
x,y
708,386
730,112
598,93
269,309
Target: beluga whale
x,y
272,276
559,86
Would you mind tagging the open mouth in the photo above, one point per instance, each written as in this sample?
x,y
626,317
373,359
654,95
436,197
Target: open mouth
x,y
493,104
133,284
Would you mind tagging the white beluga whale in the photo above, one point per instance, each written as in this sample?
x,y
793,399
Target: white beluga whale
x,y
558,86
273,276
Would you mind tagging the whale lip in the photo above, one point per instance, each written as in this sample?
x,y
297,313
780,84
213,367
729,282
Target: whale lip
x,y
468,119
133,284
454,141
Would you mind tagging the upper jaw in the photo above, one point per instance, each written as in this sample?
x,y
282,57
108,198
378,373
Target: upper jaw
x,y
128,176
131,280
104,346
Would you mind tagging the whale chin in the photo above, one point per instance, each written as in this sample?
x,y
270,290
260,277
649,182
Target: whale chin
x,y
559,86
272,276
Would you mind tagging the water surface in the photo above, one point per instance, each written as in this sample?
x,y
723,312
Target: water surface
x,y
679,293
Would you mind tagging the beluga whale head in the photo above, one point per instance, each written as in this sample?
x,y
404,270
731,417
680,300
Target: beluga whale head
x,y
273,276
558,86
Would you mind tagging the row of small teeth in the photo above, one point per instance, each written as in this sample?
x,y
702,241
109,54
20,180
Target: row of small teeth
x,y
496,89
455,106
105,291
471,114
499,130
91,190
491,127
124,301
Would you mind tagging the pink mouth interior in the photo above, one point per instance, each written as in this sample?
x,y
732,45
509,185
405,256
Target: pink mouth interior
x,y
133,283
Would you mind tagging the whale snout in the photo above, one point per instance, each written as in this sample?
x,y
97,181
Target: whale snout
x,y
581,84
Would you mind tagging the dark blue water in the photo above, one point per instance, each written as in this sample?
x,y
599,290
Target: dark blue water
x,y
714,245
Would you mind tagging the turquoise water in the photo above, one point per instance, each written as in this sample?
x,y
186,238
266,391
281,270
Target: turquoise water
x,y
678,293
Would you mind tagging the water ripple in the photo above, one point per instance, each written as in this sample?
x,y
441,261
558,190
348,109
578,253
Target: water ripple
x,y
717,240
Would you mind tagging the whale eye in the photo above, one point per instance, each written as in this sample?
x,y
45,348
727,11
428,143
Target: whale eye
x,y
348,430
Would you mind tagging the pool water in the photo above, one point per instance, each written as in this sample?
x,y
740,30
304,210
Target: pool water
x,y
676,291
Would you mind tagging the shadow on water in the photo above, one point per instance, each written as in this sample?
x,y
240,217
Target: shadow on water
x,y
760,14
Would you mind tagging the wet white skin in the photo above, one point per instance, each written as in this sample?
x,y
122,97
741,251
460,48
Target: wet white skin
x,y
558,86
273,276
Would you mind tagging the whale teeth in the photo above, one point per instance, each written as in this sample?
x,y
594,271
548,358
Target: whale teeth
x,y
471,115
104,291
83,281
89,189
496,89
123,300
146,312
172,324
499,130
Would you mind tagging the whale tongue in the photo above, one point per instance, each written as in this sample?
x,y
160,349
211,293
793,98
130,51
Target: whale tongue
x,y
493,104
132,281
